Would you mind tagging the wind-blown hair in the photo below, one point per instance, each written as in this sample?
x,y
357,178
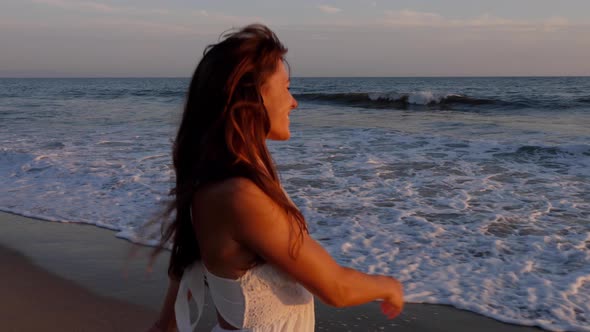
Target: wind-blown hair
x,y
223,134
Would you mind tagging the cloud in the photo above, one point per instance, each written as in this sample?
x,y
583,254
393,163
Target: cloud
x,y
80,5
222,18
329,9
139,27
93,6
409,17
556,23
412,18
205,17
202,13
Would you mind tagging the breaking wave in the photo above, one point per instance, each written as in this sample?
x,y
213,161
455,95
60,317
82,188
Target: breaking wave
x,y
396,100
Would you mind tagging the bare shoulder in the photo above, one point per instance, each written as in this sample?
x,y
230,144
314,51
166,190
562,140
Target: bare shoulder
x,y
232,188
238,186
237,196
252,216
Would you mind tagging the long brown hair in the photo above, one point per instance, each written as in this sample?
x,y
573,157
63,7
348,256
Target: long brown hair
x,y
223,134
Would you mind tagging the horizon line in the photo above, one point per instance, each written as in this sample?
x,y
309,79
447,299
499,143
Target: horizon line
x,y
189,77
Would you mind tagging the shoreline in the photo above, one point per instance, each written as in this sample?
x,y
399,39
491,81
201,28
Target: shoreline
x,y
88,264
57,304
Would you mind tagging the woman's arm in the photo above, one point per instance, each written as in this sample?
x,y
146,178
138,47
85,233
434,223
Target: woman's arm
x,y
166,321
264,227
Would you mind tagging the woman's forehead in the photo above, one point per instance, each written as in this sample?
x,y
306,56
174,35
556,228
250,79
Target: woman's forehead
x,y
282,71
281,74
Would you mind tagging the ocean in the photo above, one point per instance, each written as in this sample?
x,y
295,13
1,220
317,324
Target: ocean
x,y
474,192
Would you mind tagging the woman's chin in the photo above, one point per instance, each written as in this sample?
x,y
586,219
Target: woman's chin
x,y
282,136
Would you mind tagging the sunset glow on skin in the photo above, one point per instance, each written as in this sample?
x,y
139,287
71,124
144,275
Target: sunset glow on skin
x,y
278,102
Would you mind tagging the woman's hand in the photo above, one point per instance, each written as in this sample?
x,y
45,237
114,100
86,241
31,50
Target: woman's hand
x,y
393,305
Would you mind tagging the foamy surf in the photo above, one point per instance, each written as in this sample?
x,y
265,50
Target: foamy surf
x,y
486,211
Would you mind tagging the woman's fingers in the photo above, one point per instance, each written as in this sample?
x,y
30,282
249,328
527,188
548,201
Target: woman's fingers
x,y
389,310
394,314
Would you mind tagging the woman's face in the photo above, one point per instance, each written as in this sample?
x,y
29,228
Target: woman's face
x,y
278,102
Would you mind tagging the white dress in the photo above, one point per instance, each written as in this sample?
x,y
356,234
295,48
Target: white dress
x,y
264,299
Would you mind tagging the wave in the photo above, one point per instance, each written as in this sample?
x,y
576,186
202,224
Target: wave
x,y
54,145
574,149
525,153
114,143
394,100
123,93
159,93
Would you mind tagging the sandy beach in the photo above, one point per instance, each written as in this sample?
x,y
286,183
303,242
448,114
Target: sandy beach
x,y
76,277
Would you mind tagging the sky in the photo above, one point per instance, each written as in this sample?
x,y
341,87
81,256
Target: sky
x,y
148,38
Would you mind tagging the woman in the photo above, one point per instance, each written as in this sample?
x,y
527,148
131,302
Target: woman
x,y
234,226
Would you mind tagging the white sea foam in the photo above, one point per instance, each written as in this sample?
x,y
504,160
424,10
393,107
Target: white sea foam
x,y
493,227
486,215
490,227
416,98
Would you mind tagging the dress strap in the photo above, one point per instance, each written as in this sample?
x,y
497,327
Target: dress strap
x,y
193,280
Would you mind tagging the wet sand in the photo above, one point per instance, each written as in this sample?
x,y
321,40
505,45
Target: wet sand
x,y
76,277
